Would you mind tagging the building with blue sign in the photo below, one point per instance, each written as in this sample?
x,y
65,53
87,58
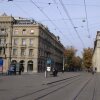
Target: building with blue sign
x,y
27,43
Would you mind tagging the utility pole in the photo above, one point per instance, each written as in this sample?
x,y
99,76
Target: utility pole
x,y
63,62
45,72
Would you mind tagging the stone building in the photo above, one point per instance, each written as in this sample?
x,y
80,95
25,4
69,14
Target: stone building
x,y
96,53
27,43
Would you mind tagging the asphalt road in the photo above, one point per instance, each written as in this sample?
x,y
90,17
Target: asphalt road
x,y
66,86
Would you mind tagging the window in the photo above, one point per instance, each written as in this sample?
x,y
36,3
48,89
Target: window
x,y
14,52
30,52
2,31
42,33
24,31
31,41
23,41
16,32
0,51
39,53
2,41
15,41
22,52
32,31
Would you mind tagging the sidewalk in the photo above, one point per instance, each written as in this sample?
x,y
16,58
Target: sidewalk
x,y
40,77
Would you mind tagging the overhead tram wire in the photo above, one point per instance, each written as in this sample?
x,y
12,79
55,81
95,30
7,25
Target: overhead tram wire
x,y
70,4
20,8
26,13
61,16
66,11
87,21
49,19
64,19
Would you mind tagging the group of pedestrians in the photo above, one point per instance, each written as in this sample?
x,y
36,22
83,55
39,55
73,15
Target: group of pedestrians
x,y
12,70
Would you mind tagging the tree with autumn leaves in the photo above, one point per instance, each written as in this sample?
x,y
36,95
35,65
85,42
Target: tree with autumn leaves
x,y
71,61
87,57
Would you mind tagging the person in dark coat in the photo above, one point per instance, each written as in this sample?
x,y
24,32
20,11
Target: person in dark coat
x,y
55,71
21,69
14,69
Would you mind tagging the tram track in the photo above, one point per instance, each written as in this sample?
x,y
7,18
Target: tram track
x,y
50,87
54,87
86,85
75,98
94,90
62,87
55,90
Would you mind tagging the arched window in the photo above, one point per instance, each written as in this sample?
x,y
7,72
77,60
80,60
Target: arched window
x,y
13,62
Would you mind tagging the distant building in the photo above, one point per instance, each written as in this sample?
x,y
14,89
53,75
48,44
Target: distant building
x,y
96,53
29,44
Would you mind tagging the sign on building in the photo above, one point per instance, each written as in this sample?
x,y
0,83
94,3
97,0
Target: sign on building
x,y
49,61
1,64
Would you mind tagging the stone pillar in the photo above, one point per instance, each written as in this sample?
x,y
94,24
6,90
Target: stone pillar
x,y
25,66
35,65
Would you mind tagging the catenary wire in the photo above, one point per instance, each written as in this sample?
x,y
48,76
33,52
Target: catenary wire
x,y
70,4
87,21
66,11
62,17
49,19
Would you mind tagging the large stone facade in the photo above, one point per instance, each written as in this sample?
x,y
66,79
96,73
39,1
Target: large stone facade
x,y
96,53
28,43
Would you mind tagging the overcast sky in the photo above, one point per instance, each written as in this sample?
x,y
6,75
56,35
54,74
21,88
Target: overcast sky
x,y
76,22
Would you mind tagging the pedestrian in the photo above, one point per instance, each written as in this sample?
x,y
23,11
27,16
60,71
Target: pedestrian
x,y
11,70
55,71
14,69
21,69
93,70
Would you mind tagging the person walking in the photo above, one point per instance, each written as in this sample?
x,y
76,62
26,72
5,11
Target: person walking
x,y
93,70
21,69
14,69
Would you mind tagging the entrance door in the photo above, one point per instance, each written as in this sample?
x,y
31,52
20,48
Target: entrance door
x,y
30,66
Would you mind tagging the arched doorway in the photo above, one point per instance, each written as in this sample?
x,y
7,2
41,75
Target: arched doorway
x,y
22,63
30,65
13,62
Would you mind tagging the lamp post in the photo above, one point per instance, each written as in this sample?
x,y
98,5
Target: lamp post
x,y
63,62
48,66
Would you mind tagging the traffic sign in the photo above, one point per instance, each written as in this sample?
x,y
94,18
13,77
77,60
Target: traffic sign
x,y
48,69
49,61
1,64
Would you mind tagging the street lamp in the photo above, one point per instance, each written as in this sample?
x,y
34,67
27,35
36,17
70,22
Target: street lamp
x,y
63,62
